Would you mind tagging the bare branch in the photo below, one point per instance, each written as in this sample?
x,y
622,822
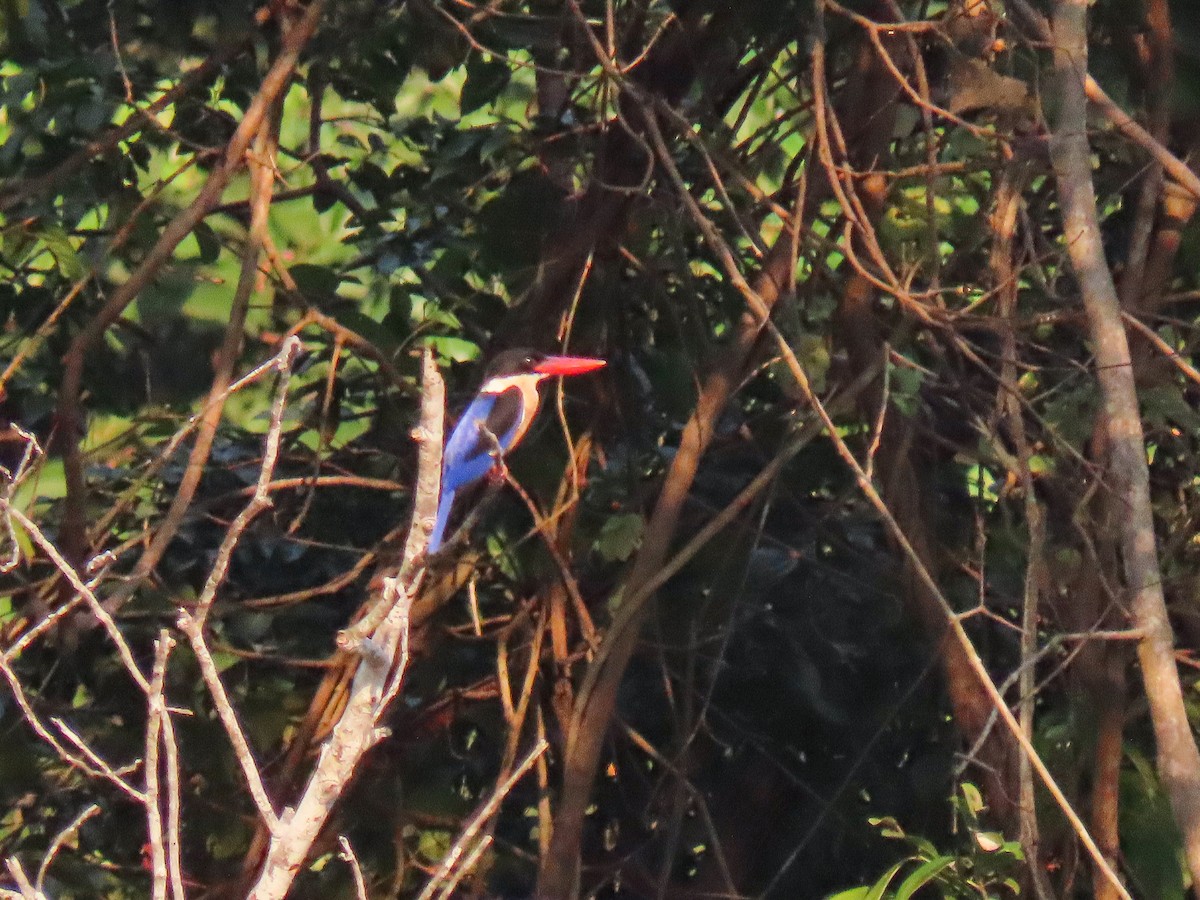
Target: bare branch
x,y
154,819
445,878
347,854
70,414
60,841
1178,757
28,891
192,623
81,588
380,673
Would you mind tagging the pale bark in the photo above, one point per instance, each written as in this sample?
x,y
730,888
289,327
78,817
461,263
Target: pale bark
x,y
378,678
1128,476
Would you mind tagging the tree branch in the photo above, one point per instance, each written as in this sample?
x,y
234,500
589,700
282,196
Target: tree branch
x,y
378,679
1178,758
70,416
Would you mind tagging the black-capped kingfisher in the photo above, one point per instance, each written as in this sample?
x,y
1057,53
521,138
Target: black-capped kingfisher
x,y
497,419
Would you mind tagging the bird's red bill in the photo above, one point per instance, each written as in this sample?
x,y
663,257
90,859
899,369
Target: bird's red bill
x,y
567,365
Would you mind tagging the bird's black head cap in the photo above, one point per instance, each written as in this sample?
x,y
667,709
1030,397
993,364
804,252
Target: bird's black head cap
x,y
518,361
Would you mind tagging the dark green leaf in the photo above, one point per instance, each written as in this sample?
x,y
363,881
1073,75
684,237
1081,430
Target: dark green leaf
x,y
485,79
210,244
317,283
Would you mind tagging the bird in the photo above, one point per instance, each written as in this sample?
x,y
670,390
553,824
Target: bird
x,y
496,420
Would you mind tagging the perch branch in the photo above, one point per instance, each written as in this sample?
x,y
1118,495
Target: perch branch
x,y
379,676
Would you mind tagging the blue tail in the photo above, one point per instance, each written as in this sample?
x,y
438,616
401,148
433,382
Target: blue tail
x,y
445,502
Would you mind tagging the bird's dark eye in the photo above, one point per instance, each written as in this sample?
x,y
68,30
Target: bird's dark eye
x,y
528,362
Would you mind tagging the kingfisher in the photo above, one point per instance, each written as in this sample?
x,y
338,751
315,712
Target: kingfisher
x,y
496,420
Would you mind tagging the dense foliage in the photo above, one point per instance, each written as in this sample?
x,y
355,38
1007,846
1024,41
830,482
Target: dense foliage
x,y
647,181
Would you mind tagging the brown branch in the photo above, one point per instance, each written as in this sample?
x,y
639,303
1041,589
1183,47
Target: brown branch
x,y
1108,107
1162,346
922,572
956,626
167,453
1004,276
597,698
74,526
262,163
559,874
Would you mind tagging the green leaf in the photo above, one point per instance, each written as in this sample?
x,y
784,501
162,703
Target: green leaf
x,y
209,243
923,875
906,386
1150,843
455,349
433,844
82,697
620,536
63,251
315,282
973,798
880,887
888,827
485,79
383,338
225,660
231,842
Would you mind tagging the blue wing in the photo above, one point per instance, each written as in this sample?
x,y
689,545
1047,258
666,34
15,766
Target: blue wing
x,y
469,454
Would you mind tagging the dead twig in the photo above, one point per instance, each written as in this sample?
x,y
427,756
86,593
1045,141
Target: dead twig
x,y
347,855
1070,152
153,802
192,623
450,872
379,675
60,841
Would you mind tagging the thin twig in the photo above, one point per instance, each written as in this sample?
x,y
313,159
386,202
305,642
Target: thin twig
x,y
12,193
69,398
68,571
60,841
956,628
1162,346
761,312
28,891
347,855
154,819
459,850
261,498
174,803
116,776
192,623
